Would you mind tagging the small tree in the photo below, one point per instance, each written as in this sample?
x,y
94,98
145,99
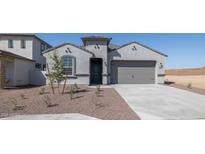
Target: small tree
x,y
57,69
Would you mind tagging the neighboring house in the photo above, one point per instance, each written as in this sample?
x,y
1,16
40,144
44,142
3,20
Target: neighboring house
x,y
20,55
100,62
27,45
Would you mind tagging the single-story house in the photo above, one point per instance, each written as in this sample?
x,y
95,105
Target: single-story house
x,y
100,62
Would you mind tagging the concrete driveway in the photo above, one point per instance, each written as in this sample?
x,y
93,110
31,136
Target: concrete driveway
x,y
163,102
66,116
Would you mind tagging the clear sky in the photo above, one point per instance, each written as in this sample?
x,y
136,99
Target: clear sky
x,y
184,50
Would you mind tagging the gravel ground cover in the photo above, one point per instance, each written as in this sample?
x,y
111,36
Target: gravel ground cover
x,y
103,103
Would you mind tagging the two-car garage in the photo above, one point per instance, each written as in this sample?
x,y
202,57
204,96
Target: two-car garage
x,y
132,72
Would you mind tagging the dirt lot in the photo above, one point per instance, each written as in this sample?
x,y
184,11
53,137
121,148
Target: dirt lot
x,y
184,77
197,81
195,71
192,89
107,104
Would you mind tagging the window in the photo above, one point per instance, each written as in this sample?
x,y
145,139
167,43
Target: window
x,y
68,65
23,44
10,44
42,47
44,67
38,65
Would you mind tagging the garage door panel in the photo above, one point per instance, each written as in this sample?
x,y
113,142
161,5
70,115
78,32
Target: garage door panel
x,y
133,72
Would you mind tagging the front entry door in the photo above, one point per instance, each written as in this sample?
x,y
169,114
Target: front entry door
x,y
96,71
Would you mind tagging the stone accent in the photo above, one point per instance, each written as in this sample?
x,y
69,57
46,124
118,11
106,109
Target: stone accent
x,y
2,73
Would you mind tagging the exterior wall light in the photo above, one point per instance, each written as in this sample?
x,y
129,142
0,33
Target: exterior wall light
x,y
105,63
161,66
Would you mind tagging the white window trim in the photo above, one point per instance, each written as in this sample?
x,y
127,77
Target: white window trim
x,y
73,65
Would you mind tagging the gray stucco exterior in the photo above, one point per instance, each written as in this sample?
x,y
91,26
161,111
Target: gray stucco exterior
x,y
82,62
100,51
99,47
137,52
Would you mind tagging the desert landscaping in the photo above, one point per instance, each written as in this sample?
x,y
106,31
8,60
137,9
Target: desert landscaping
x,y
102,103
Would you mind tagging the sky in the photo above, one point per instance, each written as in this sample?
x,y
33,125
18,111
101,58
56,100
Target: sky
x,y
184,50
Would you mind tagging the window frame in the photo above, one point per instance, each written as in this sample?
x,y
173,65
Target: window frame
x,y
72,65
10,43
42,46
38,65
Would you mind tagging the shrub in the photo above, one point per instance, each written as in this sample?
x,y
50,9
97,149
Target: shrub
x,y
98,90
22,96
47,101
96,102
42,91
16,106
13,101
189,85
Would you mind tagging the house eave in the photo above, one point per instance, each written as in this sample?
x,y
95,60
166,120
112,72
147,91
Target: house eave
x,y
9,54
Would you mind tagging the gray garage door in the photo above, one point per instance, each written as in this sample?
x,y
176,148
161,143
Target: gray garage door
x,y
133,72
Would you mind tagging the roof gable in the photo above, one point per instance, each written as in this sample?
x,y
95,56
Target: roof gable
x,y
64,44
144,47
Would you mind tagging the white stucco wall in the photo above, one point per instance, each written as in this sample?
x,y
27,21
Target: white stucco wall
x,y
82,63
25,52
142,53
21,71
32,50
9,73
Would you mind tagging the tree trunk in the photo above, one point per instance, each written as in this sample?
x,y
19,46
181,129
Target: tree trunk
x,y
51,81
64,86
58,87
